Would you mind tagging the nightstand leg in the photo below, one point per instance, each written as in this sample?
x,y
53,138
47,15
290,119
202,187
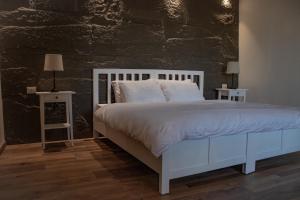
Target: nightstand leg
x,y
220,95
68,119
42,113
69,134
43,139
71,119
72,137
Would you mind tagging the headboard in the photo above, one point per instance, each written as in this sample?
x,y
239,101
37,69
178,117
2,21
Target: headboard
x,y
141,74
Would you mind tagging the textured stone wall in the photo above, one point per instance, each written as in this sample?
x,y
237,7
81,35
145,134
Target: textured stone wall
x,y
163,34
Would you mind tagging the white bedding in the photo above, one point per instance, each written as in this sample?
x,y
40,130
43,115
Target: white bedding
x,y
159,125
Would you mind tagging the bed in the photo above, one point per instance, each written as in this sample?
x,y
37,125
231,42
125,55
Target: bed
x,y
178,155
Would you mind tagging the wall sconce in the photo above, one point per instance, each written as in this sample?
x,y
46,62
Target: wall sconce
x,y
226,3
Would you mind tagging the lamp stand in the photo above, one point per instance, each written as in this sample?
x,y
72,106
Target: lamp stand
x,y
54,83
232,82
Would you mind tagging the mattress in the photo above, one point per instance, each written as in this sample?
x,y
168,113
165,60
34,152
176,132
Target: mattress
x,y
159,125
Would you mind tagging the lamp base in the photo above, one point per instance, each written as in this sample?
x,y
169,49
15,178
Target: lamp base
x,y
233,87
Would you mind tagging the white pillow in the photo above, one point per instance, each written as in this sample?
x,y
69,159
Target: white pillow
x,y
148,91
117,92
181,91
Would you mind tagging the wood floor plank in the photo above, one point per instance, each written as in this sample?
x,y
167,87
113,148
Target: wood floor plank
x,y
101,170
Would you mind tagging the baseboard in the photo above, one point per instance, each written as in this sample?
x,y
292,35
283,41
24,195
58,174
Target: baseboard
x,y
2,147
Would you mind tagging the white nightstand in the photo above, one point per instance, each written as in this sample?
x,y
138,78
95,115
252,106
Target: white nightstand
x,y
231,94
56,97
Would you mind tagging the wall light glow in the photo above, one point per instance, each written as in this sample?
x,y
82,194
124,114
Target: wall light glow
x,y
174,7
227,3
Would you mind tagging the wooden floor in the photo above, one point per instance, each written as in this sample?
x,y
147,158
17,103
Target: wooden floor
x,y
100,170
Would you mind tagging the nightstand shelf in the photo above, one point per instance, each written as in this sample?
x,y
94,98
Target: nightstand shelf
x,y
56,141
57,126
56,97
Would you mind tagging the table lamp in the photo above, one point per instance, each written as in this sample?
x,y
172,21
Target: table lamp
x,y
53,63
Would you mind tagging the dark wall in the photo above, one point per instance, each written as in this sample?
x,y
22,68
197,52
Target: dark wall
x,y
164,34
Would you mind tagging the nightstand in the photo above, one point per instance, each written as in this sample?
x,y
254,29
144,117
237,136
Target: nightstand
x,y
232,94
56,97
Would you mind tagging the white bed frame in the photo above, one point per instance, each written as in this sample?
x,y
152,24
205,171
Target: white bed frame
x,y
191,157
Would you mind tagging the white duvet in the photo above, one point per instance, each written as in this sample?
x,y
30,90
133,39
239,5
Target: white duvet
x,y
159,125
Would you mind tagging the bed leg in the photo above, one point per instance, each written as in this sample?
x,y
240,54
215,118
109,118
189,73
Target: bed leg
x,y
248,167
164,181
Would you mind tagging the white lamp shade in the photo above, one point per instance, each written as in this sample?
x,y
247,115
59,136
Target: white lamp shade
x,y
233,68
53,62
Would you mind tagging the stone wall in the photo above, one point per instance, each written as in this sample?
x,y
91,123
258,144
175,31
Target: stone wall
x,y
162,34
